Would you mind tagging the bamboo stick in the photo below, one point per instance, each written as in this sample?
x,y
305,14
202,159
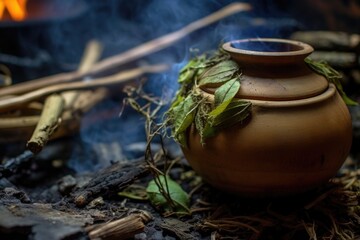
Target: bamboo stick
x,y
20,128
54,104
122,77
91,55
127,56
48,122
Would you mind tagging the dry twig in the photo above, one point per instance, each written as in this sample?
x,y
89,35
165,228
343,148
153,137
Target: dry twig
x,y
124,228
122,77
128,56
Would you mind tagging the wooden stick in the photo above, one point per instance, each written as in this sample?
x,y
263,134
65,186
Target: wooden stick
x,y
128,56
122,77
91,55
16,122
48,122
124,228
54,104
20,128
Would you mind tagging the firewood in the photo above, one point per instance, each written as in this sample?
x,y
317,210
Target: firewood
x,y
48,122
124,228
110,181
121,77
91,55
14,165
128,56
18,122
20,128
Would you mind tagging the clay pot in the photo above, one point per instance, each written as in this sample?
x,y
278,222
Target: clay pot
x,y
299,132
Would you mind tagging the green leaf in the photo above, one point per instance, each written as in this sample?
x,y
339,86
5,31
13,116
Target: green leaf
x,y
134,192
332,76
188,71
184,114
224,95
178,196
181,138
348,101
220,73
209,131
178,99
227,91
221,67
236,112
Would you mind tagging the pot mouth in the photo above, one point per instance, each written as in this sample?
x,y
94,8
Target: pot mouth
x,y
268,47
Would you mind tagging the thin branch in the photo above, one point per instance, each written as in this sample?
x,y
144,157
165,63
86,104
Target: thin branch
x,y
130,55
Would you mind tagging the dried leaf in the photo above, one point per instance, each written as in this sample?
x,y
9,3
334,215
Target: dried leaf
x,y
179,197
201,119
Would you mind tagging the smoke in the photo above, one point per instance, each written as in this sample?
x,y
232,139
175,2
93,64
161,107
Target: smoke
x,y
121,25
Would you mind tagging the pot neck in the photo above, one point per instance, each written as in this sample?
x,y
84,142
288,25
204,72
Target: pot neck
x,y
270,58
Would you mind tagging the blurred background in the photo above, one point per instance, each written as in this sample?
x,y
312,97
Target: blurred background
x,y
52,36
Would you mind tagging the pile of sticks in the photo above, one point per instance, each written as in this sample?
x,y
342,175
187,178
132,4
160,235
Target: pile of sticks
x,y
52,106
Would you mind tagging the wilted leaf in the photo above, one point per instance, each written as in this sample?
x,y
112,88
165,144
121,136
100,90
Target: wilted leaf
x,y
179,197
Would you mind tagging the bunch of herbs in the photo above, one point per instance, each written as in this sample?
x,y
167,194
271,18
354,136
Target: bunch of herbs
x,y
209,116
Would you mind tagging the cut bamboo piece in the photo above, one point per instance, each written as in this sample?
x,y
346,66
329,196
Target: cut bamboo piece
x,y
48,122
91,55
20,128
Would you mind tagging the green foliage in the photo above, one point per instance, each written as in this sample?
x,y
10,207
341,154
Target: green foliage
x,y
190,107
179,198
332,76
219,73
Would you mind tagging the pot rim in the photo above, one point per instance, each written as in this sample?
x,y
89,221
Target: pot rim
x,y
331,91
300,48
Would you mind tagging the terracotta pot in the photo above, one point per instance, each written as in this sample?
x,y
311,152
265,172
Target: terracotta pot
x,y
299,132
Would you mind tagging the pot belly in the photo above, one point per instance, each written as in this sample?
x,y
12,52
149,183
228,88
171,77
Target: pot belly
x,y
280,150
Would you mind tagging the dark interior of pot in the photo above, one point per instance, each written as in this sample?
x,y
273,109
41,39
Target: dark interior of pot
x,y
265,46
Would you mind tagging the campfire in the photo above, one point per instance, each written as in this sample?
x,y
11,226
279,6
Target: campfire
x,y
16,9
88,150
